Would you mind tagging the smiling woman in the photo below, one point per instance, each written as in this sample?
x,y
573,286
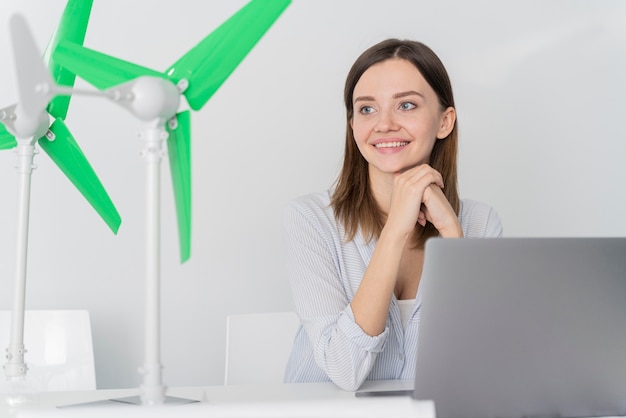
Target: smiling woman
x,y
357,250
398,115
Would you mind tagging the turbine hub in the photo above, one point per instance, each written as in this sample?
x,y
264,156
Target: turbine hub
x,y
154,97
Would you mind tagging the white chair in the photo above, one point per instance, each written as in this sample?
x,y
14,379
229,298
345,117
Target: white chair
x,y
258,347
59,348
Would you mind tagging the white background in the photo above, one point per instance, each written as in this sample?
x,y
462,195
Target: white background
x,y
539,85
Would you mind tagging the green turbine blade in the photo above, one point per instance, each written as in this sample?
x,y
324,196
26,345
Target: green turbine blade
x,y
7,140
207,65
72,27
101,70
68,156
179,152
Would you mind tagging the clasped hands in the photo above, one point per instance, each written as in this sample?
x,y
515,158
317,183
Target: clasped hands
x,y
418,198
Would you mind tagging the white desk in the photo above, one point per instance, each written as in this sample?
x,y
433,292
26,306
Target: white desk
x,y
281,400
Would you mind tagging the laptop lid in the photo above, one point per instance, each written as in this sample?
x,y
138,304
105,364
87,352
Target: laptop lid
x,y
523,327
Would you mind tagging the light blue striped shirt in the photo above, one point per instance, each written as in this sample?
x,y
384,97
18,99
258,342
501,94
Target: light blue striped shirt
x,y
325,273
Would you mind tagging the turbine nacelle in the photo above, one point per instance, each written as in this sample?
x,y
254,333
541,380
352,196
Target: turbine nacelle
x,y
23,125
148,98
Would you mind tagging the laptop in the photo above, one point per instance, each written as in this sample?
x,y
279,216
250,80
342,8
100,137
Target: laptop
x,y
523,327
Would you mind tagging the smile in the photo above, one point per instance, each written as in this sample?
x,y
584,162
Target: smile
x,y
391,144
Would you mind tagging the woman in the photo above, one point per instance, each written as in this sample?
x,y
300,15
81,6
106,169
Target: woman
x,y
356,252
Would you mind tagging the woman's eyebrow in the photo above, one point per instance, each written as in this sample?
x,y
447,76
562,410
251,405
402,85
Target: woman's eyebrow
x,y
395,96
364,99
407,93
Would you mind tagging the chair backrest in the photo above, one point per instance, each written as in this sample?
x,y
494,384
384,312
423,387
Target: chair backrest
x,y
59,348
258,347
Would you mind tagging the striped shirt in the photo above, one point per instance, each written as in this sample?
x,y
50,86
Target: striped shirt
x,y
324,273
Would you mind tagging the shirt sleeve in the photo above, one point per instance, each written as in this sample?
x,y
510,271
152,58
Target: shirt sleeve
x,y
341,348
480,220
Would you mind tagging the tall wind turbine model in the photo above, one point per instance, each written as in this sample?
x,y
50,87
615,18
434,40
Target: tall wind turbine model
x,y
154,98
26,124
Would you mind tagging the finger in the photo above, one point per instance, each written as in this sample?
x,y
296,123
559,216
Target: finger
x,y
420,180
423,174
421,218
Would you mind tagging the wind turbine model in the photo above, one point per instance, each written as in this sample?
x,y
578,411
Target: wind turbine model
x,y
154,97
26,124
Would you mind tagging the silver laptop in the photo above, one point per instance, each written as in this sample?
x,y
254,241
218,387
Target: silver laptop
x,y
523,327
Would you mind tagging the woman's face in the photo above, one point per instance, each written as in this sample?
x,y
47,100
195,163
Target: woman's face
x,y
397,117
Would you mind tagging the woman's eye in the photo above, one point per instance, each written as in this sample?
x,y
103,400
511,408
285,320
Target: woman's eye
x,y
407,106
365,110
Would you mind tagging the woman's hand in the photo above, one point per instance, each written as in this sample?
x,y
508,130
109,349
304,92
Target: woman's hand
x,y
417,198
408,195
437,210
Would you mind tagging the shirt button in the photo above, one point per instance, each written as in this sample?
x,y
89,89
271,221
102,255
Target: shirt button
x,y
401,356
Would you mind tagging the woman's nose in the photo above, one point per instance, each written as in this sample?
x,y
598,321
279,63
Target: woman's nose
x,y
386,121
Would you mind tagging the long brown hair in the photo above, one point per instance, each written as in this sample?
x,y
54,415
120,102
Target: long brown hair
x,y
352,200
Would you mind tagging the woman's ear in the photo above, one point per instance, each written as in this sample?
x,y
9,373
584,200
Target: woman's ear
x,y
448,117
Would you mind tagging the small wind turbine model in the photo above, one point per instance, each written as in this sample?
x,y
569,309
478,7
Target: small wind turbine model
x,y
154,98
26,124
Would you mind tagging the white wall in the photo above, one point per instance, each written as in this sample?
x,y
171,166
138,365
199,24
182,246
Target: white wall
x,y
539,88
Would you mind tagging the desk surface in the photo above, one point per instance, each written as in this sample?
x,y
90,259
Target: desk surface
x,y
303,400
270,400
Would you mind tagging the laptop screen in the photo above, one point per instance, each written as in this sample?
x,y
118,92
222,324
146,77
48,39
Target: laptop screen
x,y
518,327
